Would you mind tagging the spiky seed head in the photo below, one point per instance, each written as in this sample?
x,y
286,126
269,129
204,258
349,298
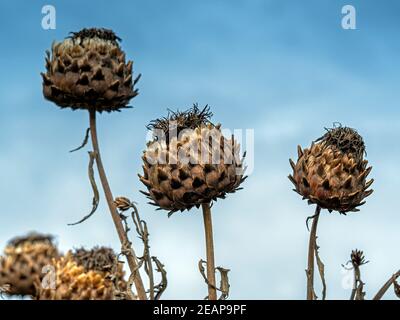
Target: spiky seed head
x,y
85,275
23,261
122,203
88,71
357,258
332,172
191,163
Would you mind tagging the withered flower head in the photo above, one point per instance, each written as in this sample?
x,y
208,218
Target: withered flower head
x,y
332,173
192,163
88,71
357,258
122,203
23,261
85,275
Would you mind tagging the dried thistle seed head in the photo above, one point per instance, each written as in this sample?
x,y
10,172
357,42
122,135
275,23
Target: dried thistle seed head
x,y
85,275
357,258
332,172
88,71
195,164
23,261
122,203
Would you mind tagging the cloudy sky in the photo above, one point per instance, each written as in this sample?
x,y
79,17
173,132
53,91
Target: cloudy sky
x,y
283,68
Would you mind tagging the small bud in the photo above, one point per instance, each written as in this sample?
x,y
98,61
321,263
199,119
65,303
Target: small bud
x,y
357,258
122,203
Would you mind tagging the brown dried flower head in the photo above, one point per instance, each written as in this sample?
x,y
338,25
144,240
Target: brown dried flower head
x,y
85,275
357,258
122,203
191,163
23,261
332,173
88,70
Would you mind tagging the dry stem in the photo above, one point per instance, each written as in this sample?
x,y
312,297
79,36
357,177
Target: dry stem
x,y
132,260
386,286
141,229
311,254
357,259
212,292
358,285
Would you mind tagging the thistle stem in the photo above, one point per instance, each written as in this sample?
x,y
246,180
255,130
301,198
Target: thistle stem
x,y
386,286
356,283
212,292
132,259
311,255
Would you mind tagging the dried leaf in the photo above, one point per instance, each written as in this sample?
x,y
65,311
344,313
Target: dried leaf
x,y
96,196
85,141
224,284
162,286
321,269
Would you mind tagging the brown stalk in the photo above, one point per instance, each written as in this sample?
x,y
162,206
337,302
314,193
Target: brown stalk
x,y
386,286
357,259
358,285
311,254
141,229
212,292
132,259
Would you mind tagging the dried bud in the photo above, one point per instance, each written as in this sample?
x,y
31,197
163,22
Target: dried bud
x,y
357,258
122,203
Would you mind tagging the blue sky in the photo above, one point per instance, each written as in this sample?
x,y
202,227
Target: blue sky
x,y
283,68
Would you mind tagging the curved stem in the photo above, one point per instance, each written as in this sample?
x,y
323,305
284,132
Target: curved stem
x,y
311,255
141,228
386,286
132,260
212,292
